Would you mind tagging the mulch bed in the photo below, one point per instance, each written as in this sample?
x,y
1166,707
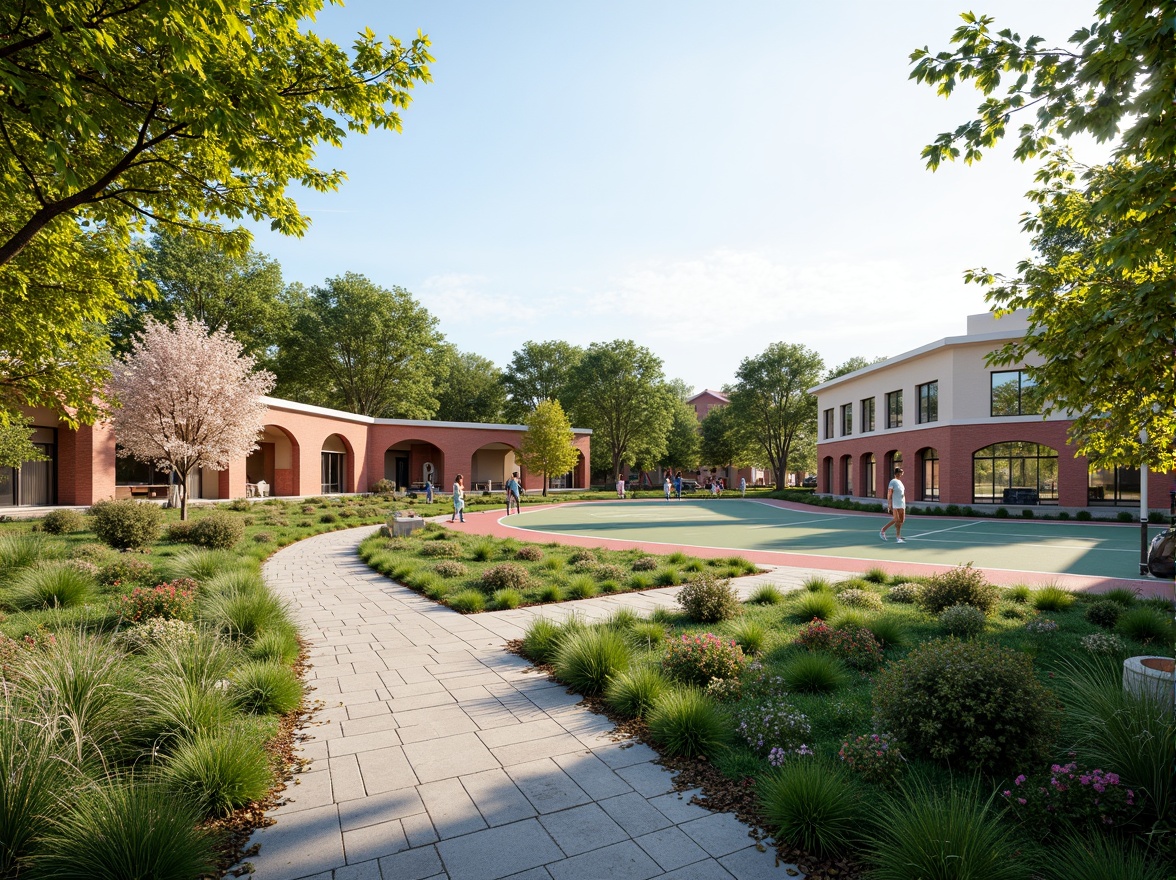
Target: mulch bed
x,y
720,793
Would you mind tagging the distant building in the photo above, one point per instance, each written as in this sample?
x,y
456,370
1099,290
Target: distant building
x,y
706,400
703,402
964,432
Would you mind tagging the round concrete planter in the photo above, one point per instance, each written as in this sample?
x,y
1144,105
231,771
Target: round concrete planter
x,y
1154,676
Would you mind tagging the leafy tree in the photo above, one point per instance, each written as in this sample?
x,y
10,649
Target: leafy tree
x,y
619,392
770,399
170,111
362,348
683,441
851,366
199,277
725,439
16,446
473,391
188,399
1101,288
548,446
539,371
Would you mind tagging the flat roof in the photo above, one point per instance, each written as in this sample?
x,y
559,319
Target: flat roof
x,y
310,409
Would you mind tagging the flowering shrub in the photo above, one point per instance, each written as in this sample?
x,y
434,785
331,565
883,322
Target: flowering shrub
x,y
709,599
906,592
856,598
960,586
759,685
448,549
1070,794
171,601
451,568
506,576
529,552
608,572
724,690
856,645
1042,626
157,631
583,556
773,726
126,570
698,659
964,621
874,757
1104,643
126,524
645,563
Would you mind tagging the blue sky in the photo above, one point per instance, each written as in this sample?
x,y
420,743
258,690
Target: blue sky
x,y
703,178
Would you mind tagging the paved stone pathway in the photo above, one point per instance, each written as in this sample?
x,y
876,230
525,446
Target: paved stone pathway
x,y
439,755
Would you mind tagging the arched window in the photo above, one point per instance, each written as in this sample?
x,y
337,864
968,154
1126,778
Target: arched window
x,y
828,474
1015,473
334,465
869,476
930,459
847,474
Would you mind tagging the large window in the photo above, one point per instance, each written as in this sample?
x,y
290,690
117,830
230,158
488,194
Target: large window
x,y
1015,473
1014,393
829,424
1118,486
332,481
847,420
930,475
867,415
928,402
847,474
894,409
869,476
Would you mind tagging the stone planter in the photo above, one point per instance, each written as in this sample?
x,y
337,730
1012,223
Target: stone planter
x,y
401,526
1152,676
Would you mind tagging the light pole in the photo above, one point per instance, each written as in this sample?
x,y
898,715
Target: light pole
x,y
1143,502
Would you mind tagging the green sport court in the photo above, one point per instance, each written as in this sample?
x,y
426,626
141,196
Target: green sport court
x,y
1090,549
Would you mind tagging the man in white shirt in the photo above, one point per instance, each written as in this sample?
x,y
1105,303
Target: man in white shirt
x,y
896,502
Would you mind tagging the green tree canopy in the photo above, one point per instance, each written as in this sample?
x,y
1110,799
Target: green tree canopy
x,y
770,400
539,371
855,363
115,115
361,348
683,441
726,440
472,391
205,278
548,446
1100,307
619,391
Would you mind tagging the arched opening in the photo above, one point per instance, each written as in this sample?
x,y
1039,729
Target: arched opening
x,y
1015,473
274,463
869,476
929,474
491,466
892,460
337,465
847,475
827,473
572,479
411,463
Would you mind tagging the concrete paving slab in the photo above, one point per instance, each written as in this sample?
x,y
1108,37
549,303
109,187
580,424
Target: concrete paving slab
x,y
498,852
581,829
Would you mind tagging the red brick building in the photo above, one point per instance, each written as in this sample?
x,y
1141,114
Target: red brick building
x,y
303,450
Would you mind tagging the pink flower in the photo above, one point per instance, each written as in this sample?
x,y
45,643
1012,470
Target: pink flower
x,y
1019,779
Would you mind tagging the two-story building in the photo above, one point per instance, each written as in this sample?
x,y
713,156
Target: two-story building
x,y
965,433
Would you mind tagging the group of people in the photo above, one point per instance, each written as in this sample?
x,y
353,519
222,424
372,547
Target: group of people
x,y
514,491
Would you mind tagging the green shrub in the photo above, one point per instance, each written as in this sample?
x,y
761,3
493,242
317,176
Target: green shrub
x,y
1098,857
467,601
127,570
964,621
814,674
56,585
1001,513
1019,594
860,599
1103,613
1083,516
582,586
766,594
696,659
265,688
1052,598
117,830
506,575
709,599
969,704
813,806
1124,516
126,524
606,571
586,660
905,593
34,777
645,563
668,577
955,835
202,565
810,606
263,538
686,722
328,517
634,692
1145,625
172,601
960,586
219,530
529,553
750,636
890,631
63,522
550,593
640,581
622,620
876,575
507,598
1121,596
141,637
483,550
275,646
647,634
219,772
440,549
540,639
451,568
382,487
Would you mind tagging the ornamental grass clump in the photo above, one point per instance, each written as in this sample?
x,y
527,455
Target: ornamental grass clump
x,y
647,634
963,621
971,705
275,646
467,601
766,594
874,757
582,586
634,692
750,635
220,771
813,806
1051,598
504,599
588,659
890,631
170,601
34,778
814,674
696,660
265,688
960,586
1144,624
56,585
243,617
709,599
819,605
686,722
773,729
202,565
1100,857
540,640
1068,796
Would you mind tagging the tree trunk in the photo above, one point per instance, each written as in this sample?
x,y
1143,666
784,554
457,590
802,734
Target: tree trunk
x,y
183,495
545,484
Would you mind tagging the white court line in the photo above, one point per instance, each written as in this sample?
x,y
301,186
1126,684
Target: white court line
x,y
937,531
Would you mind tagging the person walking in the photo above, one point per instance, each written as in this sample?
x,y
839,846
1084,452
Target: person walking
x,y
896,503
621,487
669,487
513,490
428,491
678,485
743,487
458,500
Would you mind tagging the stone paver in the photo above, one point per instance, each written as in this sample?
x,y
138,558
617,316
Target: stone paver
x,y
438,756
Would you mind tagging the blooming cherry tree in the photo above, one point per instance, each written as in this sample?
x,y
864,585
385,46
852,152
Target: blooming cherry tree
x,y
188,400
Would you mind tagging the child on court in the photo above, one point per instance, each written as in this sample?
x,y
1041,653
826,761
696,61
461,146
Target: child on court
x,y
669,487
896,503
513,490
621,487
678,485
458,500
